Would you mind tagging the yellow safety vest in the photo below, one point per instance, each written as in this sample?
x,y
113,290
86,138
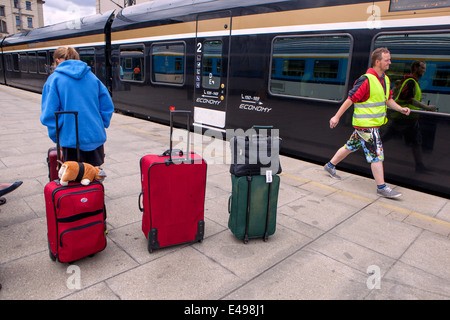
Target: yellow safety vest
x,y
404,103
372,112
417,95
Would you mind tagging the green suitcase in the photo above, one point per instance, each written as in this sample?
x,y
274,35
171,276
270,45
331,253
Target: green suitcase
x,y
255,218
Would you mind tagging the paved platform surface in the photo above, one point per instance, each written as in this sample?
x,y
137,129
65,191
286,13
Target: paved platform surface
x,y
334,239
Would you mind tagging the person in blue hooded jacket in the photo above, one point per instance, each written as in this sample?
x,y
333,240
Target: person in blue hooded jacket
x,y
73,87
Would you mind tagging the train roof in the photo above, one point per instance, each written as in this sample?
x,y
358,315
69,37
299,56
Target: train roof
x,y
170,11
86,25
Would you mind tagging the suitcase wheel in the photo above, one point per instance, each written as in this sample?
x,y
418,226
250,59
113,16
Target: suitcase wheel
x,y
152,240
52,256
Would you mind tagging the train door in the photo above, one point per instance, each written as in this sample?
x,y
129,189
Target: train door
x,y
2,72
2,63
211,70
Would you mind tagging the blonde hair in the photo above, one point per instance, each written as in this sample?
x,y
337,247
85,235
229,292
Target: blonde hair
x,y
66,53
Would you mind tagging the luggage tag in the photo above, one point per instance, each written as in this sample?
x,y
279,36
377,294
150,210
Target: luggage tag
x,y
268,176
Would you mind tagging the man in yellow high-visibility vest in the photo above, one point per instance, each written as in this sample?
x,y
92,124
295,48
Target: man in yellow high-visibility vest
x,y
371,95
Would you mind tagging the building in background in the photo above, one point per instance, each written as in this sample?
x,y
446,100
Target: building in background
x,y
107,5
20,15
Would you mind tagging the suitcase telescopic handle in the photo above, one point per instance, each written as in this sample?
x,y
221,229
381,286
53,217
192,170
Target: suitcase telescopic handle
x,y
75,113
259,127
188,123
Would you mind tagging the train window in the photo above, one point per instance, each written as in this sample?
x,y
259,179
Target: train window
x,y
431,48
42,62
168,63
51,62
442,76
326,69
88,56
15,62
23,62
32,63
132,63
293,68
9,63
211,64
310,66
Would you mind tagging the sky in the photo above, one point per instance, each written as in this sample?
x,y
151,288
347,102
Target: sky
x,y
56,11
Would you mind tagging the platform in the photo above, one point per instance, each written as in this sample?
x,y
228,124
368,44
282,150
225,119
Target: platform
x,y
334,239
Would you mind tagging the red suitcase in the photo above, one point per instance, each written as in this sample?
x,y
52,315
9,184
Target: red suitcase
x,y
76,216
173,195
76,220
52,162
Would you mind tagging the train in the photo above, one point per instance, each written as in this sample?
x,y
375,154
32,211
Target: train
x,y
287,64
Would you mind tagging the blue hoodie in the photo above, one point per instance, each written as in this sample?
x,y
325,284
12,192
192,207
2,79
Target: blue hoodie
x,y
73,87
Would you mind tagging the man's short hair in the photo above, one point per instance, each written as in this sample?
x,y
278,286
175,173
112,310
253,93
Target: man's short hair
x,y
377,54
416,64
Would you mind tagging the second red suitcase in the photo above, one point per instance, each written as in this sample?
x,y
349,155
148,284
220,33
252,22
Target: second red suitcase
x,y
52,162
173,196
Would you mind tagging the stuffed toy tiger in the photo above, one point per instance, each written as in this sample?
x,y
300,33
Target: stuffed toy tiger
x,y
81,172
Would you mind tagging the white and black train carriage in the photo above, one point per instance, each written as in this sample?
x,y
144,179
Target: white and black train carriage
x,y
289,64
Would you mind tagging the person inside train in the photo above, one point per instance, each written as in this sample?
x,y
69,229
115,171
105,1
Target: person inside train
x,y
73,87
137,73
371,95
409,95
